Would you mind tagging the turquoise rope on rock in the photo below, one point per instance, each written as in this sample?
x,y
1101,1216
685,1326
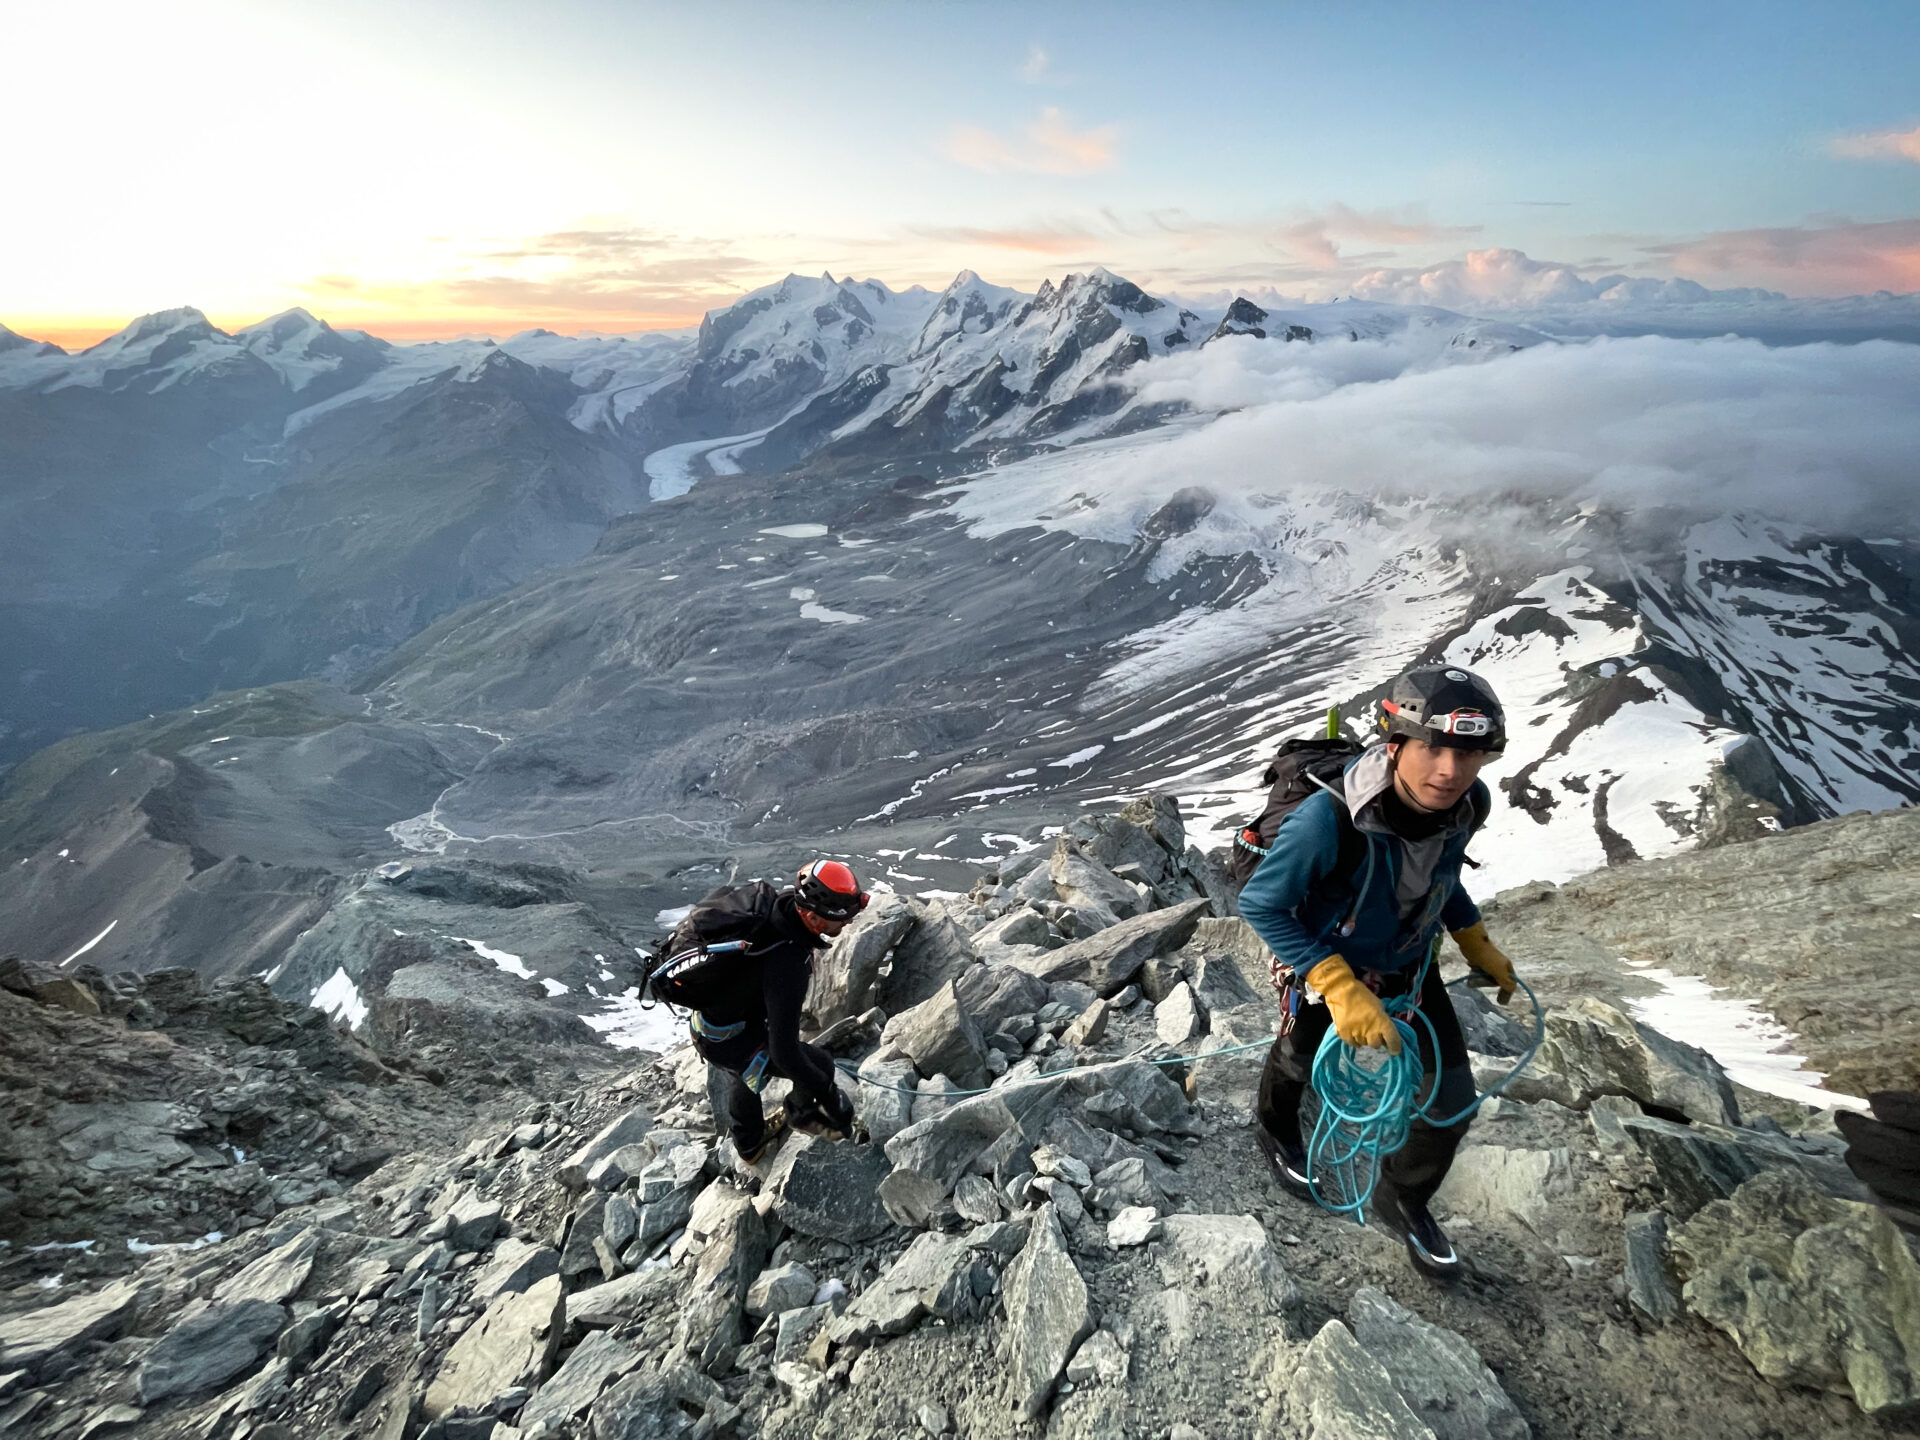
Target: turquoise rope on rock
x,y
847,1067
1367,1109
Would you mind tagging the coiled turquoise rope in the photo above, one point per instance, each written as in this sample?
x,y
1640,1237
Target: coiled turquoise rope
x,y
1368,1110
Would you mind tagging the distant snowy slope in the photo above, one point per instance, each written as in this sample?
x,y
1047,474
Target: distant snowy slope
x,y
614,373
1814,644
1664,685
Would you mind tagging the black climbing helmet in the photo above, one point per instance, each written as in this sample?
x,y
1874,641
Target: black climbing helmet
x,y
1444,705
830,889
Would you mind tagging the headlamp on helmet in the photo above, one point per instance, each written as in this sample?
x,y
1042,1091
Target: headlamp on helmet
x,y
1444,705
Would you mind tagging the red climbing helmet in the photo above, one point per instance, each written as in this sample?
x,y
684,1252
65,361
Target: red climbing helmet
x,y
830,889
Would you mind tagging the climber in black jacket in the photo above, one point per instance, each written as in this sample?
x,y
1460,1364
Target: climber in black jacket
x,y
746,998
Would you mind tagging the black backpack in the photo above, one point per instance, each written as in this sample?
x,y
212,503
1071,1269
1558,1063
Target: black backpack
x,y
707,947
1302,767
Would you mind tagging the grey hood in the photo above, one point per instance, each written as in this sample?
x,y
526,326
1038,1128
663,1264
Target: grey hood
x,y
1367,781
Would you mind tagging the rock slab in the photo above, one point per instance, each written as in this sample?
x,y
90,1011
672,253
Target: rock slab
x,y
1047,1314
1109,959
1440,1376
1340,1392
628,1129
513,1343
32,1337
204,1351
276,1277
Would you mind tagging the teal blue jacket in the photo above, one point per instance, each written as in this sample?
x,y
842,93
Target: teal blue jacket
x,y
1305,910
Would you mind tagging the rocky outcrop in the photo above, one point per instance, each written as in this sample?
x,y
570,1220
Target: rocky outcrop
x,y
1815,1291
1592,1049
1439,1375
941,1038
1092,1247
845,977
1341,1392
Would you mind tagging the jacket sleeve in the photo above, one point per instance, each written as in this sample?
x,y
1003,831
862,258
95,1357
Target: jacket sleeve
x,y
1305,851
807,1067
1460,911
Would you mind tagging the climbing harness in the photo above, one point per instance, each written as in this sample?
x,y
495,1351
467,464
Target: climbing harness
x,y
1367,1109
707,1030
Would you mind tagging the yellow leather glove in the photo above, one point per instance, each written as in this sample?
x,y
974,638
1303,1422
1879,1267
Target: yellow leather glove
x,y
1483,955
1358,1015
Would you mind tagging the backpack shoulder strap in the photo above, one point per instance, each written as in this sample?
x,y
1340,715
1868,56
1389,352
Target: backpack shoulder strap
x,y
1353,845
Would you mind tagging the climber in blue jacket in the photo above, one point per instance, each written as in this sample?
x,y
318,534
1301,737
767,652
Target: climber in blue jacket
x,y
1359,882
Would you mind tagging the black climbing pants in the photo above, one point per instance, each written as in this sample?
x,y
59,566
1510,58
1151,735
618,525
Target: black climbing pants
x,y
1416,1170
746,1117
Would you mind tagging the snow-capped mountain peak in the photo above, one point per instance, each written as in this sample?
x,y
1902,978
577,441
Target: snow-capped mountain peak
x,y
301,348
968,306
155,328
14,343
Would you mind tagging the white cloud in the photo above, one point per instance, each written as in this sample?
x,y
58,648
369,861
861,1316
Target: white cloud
x,y
1879,145
1048,146
1822,434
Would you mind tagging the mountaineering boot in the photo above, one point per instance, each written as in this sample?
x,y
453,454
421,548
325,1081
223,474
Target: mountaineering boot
x,y
1289,1163
812,1118
1428,1247
769,1137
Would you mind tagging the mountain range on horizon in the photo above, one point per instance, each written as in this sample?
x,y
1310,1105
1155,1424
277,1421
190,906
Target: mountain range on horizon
x,y
897,573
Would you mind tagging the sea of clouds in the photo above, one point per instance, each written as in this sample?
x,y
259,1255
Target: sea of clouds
x,y
1823,435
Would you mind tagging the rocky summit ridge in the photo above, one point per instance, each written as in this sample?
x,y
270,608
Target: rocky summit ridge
x,y
437,1227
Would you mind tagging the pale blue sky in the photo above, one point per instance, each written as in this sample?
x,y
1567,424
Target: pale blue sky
x,y
402,164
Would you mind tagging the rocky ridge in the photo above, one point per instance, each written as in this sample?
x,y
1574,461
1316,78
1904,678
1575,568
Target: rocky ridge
x,y
1088,1247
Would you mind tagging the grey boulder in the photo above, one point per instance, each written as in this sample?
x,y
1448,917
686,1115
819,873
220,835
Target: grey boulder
x,y
596,1362
1338,1391
1108,960
845,977
933,1277
885,1096
994,994
207,1349
941,1038
735,1252
1650,1289
1815,1291
934,951
788,1287
629,1128
1439,1375
828,1189
602,1306
1088,886
1592,1049
1178,1018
